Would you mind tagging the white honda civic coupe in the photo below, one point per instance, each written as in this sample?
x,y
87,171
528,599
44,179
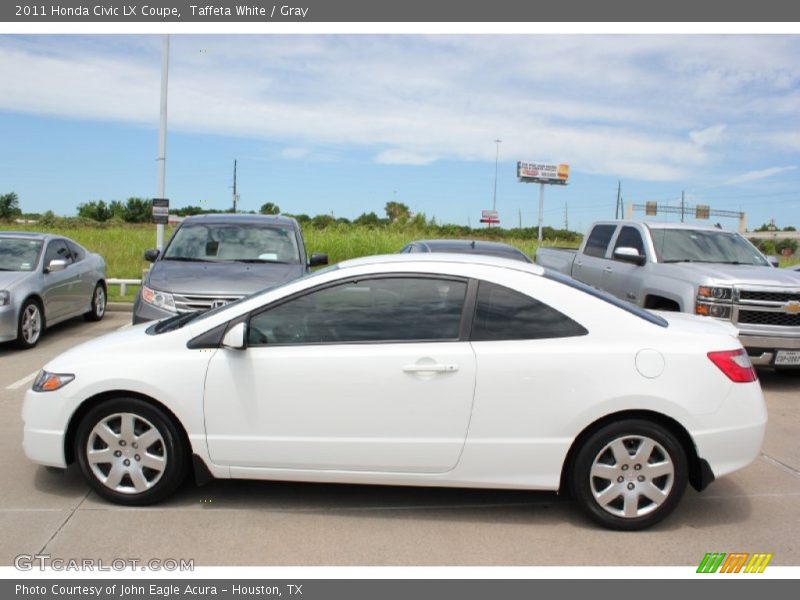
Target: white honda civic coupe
x,y
425,370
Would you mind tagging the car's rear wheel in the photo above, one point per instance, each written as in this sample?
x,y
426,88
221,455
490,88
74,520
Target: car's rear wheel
x,y
29,325
99,299
130,452
629,475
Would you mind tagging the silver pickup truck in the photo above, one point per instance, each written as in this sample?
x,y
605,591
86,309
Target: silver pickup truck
x,y
693,269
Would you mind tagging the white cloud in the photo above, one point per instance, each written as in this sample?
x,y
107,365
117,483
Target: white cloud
x,y
756,175
707,136
618,105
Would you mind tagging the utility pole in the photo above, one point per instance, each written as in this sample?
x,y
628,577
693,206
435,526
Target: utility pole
x,y
566,216
520,218
683,206
496,158
618,211
162,135
235,195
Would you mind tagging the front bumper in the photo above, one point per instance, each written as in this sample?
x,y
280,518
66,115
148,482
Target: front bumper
x,y
762,349
46,417
8,323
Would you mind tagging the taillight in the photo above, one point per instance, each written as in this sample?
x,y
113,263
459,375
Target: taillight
x,y
735,364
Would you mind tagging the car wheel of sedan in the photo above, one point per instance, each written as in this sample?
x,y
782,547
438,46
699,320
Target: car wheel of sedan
x,y
130,452
30,325
98,304
629,475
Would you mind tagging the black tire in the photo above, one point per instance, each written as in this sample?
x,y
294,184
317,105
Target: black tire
x,y
638,491
140,482
30,324
99,300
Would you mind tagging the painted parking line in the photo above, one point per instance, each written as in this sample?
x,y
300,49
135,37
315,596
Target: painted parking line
x,y
126,326
24,381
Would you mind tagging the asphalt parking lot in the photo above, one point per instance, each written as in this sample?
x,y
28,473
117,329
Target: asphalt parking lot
x,y
263,523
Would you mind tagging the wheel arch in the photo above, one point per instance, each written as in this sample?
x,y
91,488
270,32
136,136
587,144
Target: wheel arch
x,y
658,302
98,399
699,471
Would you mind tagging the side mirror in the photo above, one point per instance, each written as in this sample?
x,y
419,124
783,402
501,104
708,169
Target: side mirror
x,y
773,260
235,337
151,255
630,255
56,265
318,259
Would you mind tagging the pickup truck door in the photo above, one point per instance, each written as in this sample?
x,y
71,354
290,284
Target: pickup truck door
x,y
590,263
624,279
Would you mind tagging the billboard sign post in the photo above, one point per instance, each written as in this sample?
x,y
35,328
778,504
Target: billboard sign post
x,y
542,173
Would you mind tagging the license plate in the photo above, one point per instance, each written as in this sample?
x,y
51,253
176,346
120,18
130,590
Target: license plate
x,y
787,357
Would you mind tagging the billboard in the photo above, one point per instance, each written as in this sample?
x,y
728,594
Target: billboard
x,y
542,172
490,216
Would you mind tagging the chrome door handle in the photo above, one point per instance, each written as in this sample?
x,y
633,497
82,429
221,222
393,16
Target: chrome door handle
x,y
434,368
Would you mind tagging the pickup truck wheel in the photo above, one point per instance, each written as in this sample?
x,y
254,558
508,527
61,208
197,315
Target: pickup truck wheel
x,y
629,475
130,452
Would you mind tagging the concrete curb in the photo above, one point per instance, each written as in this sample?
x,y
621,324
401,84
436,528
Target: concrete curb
x,y
119,306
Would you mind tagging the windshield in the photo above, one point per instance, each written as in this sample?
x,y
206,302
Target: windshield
x,y
178,321
19,254
233,242
695,245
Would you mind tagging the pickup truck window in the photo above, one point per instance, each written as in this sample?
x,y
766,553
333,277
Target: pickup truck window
x,y
503,314
598,240
630,237
703,246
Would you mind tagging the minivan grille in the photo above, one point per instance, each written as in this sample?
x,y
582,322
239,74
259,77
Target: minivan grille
x,y
191,303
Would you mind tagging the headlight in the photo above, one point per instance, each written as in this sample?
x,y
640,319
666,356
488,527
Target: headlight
x,y
708,309
5,298
50,382
715,293
158,299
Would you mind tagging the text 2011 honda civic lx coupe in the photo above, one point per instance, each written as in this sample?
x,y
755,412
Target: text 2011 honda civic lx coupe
x,y
436,370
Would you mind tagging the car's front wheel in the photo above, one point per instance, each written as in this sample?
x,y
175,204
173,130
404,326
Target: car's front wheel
x,y
629,475
29,325
130,452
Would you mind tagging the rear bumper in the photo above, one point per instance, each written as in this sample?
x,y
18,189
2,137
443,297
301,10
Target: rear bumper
x,y
731,438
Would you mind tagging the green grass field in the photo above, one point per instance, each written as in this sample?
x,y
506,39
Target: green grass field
x,y
123,246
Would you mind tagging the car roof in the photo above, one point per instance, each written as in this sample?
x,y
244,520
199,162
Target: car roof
x,y
29,235
664,225
444,258
243,219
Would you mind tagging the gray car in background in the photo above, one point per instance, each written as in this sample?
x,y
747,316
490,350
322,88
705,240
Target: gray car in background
x,y
467,247
212,260
46,279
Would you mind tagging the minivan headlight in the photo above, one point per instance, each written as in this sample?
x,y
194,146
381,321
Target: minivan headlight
x,y
158,299
50,382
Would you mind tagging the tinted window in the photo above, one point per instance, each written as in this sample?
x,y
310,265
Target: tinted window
x,y
629,237
705,246
57,250
77,252
598,240
503,314
370,310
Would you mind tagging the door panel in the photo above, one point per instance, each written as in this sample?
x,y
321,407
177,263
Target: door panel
x,y
401,407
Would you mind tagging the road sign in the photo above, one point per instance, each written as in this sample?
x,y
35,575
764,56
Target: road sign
x,y
160,211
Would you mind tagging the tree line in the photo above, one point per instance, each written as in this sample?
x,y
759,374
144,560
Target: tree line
x,y
396,214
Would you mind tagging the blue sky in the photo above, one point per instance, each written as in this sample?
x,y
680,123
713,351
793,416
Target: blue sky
x,y
346,123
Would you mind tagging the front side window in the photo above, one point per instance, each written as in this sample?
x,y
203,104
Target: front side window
x,y
629,237
598,240
236,242
504,314
57,250
19,254
392,309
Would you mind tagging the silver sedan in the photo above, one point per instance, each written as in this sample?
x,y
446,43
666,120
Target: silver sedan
x,y
46,279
